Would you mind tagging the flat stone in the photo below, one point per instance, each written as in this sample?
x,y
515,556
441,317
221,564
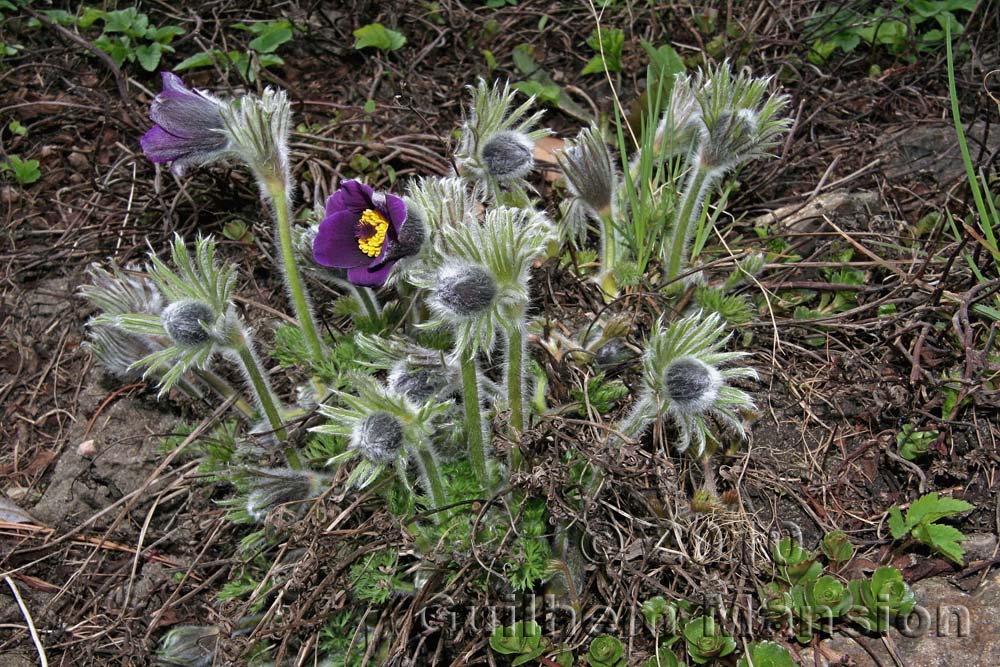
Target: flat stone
x,y
948,628
932,150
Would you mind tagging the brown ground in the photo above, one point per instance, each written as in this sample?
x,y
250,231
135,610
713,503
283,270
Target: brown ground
x,y
822,453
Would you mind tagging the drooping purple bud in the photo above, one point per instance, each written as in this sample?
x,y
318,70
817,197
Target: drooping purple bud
x,y
188,129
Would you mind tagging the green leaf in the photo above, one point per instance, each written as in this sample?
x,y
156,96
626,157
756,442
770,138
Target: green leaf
x,y
550,94
931,508
60,17
90,16
608,44
165,34
943,539
199,60
15,127
897,526
524,59
25,171
149,55
269,41
376,35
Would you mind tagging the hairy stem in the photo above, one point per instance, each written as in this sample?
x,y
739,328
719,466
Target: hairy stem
x,y
366,296
609,253
222,388
300,300
688,214
474,418
265,396
516,369
432,475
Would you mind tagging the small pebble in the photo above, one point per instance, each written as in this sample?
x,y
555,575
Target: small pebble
x,y
86,449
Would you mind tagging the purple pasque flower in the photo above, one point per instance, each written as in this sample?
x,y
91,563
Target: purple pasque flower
x,y
365,232
189,129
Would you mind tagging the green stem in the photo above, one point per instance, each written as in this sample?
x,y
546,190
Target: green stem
x,y
367,299
474,419
515,387
432,474
609,253
222,388
303,313
689,213
265,396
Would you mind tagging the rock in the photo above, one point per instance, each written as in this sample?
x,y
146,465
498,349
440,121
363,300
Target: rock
x,y
851,210
947,628
979,546
932,150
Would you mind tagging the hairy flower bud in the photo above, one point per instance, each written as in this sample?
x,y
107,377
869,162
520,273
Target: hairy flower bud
x,y
379,437
271,488
117,350
691,384
589,169
184,321
190,645
729,140
417,384
466,292
508,155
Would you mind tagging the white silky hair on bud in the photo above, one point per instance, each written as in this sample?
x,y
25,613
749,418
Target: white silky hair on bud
x,y
692,385
378,437
508,155
183,322
465,291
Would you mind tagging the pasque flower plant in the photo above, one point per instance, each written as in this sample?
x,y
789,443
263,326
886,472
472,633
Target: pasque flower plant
x,y
455,257
194,128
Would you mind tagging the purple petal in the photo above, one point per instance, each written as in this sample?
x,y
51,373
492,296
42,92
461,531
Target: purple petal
x,y
356,196
395,210
186,113
160,146
336,242
366,277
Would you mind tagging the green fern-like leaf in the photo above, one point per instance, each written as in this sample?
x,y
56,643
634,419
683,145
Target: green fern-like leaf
x,y
734,308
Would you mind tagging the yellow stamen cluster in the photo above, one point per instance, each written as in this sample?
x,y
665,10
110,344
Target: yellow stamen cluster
x,y
371,245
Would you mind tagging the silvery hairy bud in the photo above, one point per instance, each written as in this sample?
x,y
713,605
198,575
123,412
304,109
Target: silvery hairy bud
x,y
185,322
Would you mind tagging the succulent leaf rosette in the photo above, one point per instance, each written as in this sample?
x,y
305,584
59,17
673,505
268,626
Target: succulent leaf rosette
x,y
766,654
365,232
880,600
606,651
705,641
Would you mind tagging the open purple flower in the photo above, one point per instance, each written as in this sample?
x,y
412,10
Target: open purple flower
x,y
365,232
189,129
